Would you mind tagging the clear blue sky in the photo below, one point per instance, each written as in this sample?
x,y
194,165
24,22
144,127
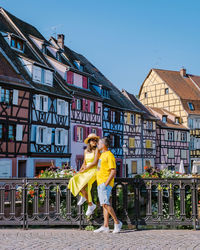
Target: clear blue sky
x,y
123,38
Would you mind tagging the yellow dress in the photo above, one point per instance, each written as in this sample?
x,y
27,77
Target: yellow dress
x,y
88,177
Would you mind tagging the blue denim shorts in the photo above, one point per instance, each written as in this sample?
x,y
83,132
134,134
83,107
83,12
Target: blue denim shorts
x,y
104,193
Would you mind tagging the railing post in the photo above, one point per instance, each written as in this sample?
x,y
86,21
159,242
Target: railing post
x,y
194,203
24,202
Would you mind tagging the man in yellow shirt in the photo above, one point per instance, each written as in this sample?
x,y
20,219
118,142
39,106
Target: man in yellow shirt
x,y
106,171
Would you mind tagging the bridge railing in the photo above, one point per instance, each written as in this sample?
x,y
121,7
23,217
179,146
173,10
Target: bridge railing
x,y
31,201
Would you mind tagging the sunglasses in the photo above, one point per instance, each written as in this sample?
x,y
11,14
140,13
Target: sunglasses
x,y
95,140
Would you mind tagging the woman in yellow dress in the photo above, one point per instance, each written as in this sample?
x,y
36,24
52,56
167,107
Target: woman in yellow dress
x,y
82,182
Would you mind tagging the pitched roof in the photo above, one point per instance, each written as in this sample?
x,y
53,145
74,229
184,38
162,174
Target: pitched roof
x,y
159,112
9,75
31,52
117,99
146,113
186,88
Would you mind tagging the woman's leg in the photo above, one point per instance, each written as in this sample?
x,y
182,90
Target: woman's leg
x,y
85,194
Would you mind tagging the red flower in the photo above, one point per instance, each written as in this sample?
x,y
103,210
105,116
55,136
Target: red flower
x,y
145,168
40,195
42,171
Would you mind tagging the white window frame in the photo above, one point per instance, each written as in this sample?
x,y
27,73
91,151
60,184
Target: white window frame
x,y
169,133
79,104
183,154
80,134
92,107
183,136
171,153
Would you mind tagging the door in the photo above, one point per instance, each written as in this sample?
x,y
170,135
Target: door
x,y
22,168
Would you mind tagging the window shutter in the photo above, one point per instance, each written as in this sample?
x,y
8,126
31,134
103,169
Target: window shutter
x,y
38,134
69,77
188,137
128,118
88,103
45,103
166,135
136,120
99,132
19,132
59,102
48,77
37,102
15,96
74,104
64,137
176,136
37,74
131,142
154,125
85,82
84,132
66,108
96,107
48,135
83,104
56,136
75,133
147,143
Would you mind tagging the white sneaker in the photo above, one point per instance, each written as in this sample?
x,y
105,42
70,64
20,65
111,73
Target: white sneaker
x,y
81,201
90,209
117,228
102,229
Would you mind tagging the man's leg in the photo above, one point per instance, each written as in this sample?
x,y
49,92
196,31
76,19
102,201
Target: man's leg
x,y
111,211
106,217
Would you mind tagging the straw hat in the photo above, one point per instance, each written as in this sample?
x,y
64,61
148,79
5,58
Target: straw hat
x,y
91,136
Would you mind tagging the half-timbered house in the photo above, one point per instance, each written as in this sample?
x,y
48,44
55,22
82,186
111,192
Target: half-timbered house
x,y
172,140
49,110
14,123
179,93
140,136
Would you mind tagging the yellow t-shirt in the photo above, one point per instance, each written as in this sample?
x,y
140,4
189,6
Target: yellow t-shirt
x,y
105,164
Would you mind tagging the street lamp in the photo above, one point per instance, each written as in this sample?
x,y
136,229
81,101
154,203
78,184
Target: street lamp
x,y
124,152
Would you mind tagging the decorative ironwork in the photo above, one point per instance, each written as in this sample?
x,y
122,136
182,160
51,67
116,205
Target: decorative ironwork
x,y
138,202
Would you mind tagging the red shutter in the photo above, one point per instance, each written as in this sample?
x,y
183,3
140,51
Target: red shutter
x,y
74,104
88,103
84,132
83,103
99,132
85,82
75,133
88,131
70,77
96,107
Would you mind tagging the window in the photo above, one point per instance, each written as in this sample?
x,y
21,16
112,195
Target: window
x,y
164,118
191,123
113,116
80,134
191,106
41,75
44,48
177,120
94,131
183,136
79,104
131,142
5,96
11,133
79,65
148,163
145,95
58,56
132,119
105,93
166,91
183,154
1,131
92,107
170,135
134,167
62,107
17,43
171,153
149,125
41,103
41,135
115,141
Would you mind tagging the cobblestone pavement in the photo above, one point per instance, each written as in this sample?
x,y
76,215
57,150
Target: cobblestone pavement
x,y
75,239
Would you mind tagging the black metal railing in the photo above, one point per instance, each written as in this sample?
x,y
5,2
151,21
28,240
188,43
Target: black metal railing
x,y
156,202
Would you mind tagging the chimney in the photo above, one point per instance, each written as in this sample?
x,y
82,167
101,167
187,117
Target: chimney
x,y
61,39
183,72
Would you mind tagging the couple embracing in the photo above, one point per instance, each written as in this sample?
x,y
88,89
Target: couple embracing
x,y
99,165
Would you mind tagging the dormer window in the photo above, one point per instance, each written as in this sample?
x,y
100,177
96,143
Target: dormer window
x,y
44,48
166,91
145,95
58,56
177,120
17,43
79,65
42,75
191,106
164,118
105,92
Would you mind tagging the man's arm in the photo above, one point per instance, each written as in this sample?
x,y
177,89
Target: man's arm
x,y
111,176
